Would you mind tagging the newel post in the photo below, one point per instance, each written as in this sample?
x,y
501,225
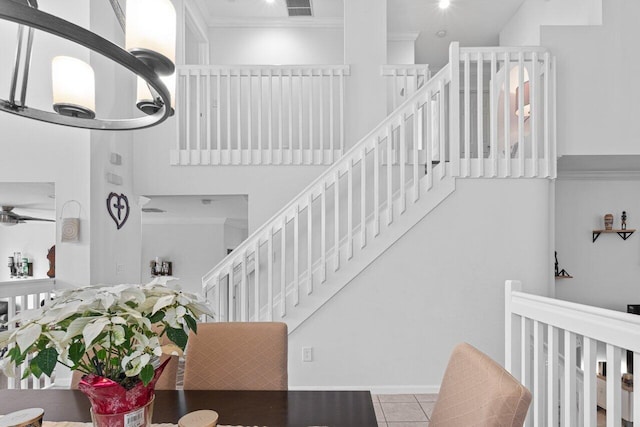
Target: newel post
x,y
454,109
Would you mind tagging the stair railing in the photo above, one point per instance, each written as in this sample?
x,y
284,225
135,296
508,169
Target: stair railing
x,y
313,235
259,114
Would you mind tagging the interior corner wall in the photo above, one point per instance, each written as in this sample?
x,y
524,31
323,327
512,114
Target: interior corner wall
x,y
192,248
393,327
276,45
401,52
115,252
605,272
35,151
523,29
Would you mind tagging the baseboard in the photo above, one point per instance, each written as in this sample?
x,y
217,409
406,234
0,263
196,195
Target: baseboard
x,y
376,389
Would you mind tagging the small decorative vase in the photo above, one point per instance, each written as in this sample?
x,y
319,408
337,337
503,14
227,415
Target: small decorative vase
x,y
608,222
113,405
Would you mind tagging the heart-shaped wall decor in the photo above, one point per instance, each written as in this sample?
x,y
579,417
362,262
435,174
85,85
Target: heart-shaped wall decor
x,y
118,208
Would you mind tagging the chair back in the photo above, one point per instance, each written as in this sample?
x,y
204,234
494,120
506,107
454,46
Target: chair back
x,y
237,356
476,391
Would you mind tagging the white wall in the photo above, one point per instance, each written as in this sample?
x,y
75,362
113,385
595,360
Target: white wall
x,y
597,104
33,239
524,27
40,152
272,46
440,284
606,273
401,52
193,248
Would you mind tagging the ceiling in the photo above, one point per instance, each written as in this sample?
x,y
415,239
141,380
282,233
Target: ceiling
x,y
230,209
29,198
471,22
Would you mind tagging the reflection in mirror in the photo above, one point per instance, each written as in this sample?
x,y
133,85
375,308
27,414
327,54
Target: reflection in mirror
x,y
27,229
186,236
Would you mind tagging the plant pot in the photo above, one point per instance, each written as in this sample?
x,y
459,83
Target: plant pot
x,y
140,417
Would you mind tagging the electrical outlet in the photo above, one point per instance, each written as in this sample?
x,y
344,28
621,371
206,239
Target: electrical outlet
x,y
307,354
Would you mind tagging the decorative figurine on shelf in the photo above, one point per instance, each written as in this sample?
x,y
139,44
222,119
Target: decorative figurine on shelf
x,y
608,222
563,272
623,222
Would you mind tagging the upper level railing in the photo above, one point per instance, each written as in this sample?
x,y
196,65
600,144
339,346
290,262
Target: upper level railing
x,y
542,351
24,295
260,114
403,81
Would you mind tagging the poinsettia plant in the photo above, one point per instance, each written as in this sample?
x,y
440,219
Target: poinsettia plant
x,y
110,331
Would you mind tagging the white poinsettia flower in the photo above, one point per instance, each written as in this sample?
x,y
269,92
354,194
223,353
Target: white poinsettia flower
x,y
26,336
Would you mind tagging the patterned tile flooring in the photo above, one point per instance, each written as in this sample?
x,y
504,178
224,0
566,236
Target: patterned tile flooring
x,y
403,410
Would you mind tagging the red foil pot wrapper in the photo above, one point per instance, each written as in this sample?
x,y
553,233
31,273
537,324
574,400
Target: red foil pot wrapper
x,y
109,397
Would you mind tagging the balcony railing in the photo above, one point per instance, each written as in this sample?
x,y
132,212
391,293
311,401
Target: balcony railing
x,y
264,115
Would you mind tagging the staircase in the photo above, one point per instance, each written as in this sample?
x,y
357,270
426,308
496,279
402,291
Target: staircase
x,y
461,123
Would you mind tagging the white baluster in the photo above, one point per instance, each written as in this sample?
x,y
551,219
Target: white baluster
x,y
363,198
376,187
349,209
590,347
507,114
521,142
467,116
296,258
493,116
283,268
310,244
270,275
336,225
614,385
533,120
552,376
569,398
480,114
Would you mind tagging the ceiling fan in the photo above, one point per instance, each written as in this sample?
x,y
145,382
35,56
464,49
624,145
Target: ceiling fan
x,y
8,217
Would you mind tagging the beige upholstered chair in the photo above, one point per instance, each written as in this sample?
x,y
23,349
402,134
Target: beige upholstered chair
x,y
237,356
476,391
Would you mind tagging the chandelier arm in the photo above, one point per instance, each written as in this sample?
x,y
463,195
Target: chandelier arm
x,y
16,66
25,15
27,66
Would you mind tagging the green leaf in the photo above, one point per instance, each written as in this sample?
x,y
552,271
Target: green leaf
x,y
35,369
178,337
158,316
191,323
101,354
47,360
76,351
146,374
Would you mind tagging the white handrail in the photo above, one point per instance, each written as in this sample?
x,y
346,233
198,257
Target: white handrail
x,y
540,365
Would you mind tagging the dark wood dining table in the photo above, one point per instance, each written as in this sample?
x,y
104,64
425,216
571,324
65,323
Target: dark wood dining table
x,y
247,408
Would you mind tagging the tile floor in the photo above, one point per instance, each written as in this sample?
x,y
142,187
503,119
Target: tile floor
x,y
403,410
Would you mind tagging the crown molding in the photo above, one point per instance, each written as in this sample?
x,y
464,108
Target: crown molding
x,y
600,175
326,23
403,37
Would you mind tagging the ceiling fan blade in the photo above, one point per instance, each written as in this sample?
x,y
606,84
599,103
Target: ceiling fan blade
x,y
30,218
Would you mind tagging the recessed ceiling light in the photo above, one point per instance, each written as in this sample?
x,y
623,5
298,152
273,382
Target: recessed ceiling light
x,y
443,4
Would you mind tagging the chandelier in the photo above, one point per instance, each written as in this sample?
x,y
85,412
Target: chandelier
x,y
150,33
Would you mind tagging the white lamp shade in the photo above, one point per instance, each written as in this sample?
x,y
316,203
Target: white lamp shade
x,y
144,94
73,82
151,24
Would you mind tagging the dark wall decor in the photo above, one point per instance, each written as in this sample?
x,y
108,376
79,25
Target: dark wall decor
x,y
118,208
